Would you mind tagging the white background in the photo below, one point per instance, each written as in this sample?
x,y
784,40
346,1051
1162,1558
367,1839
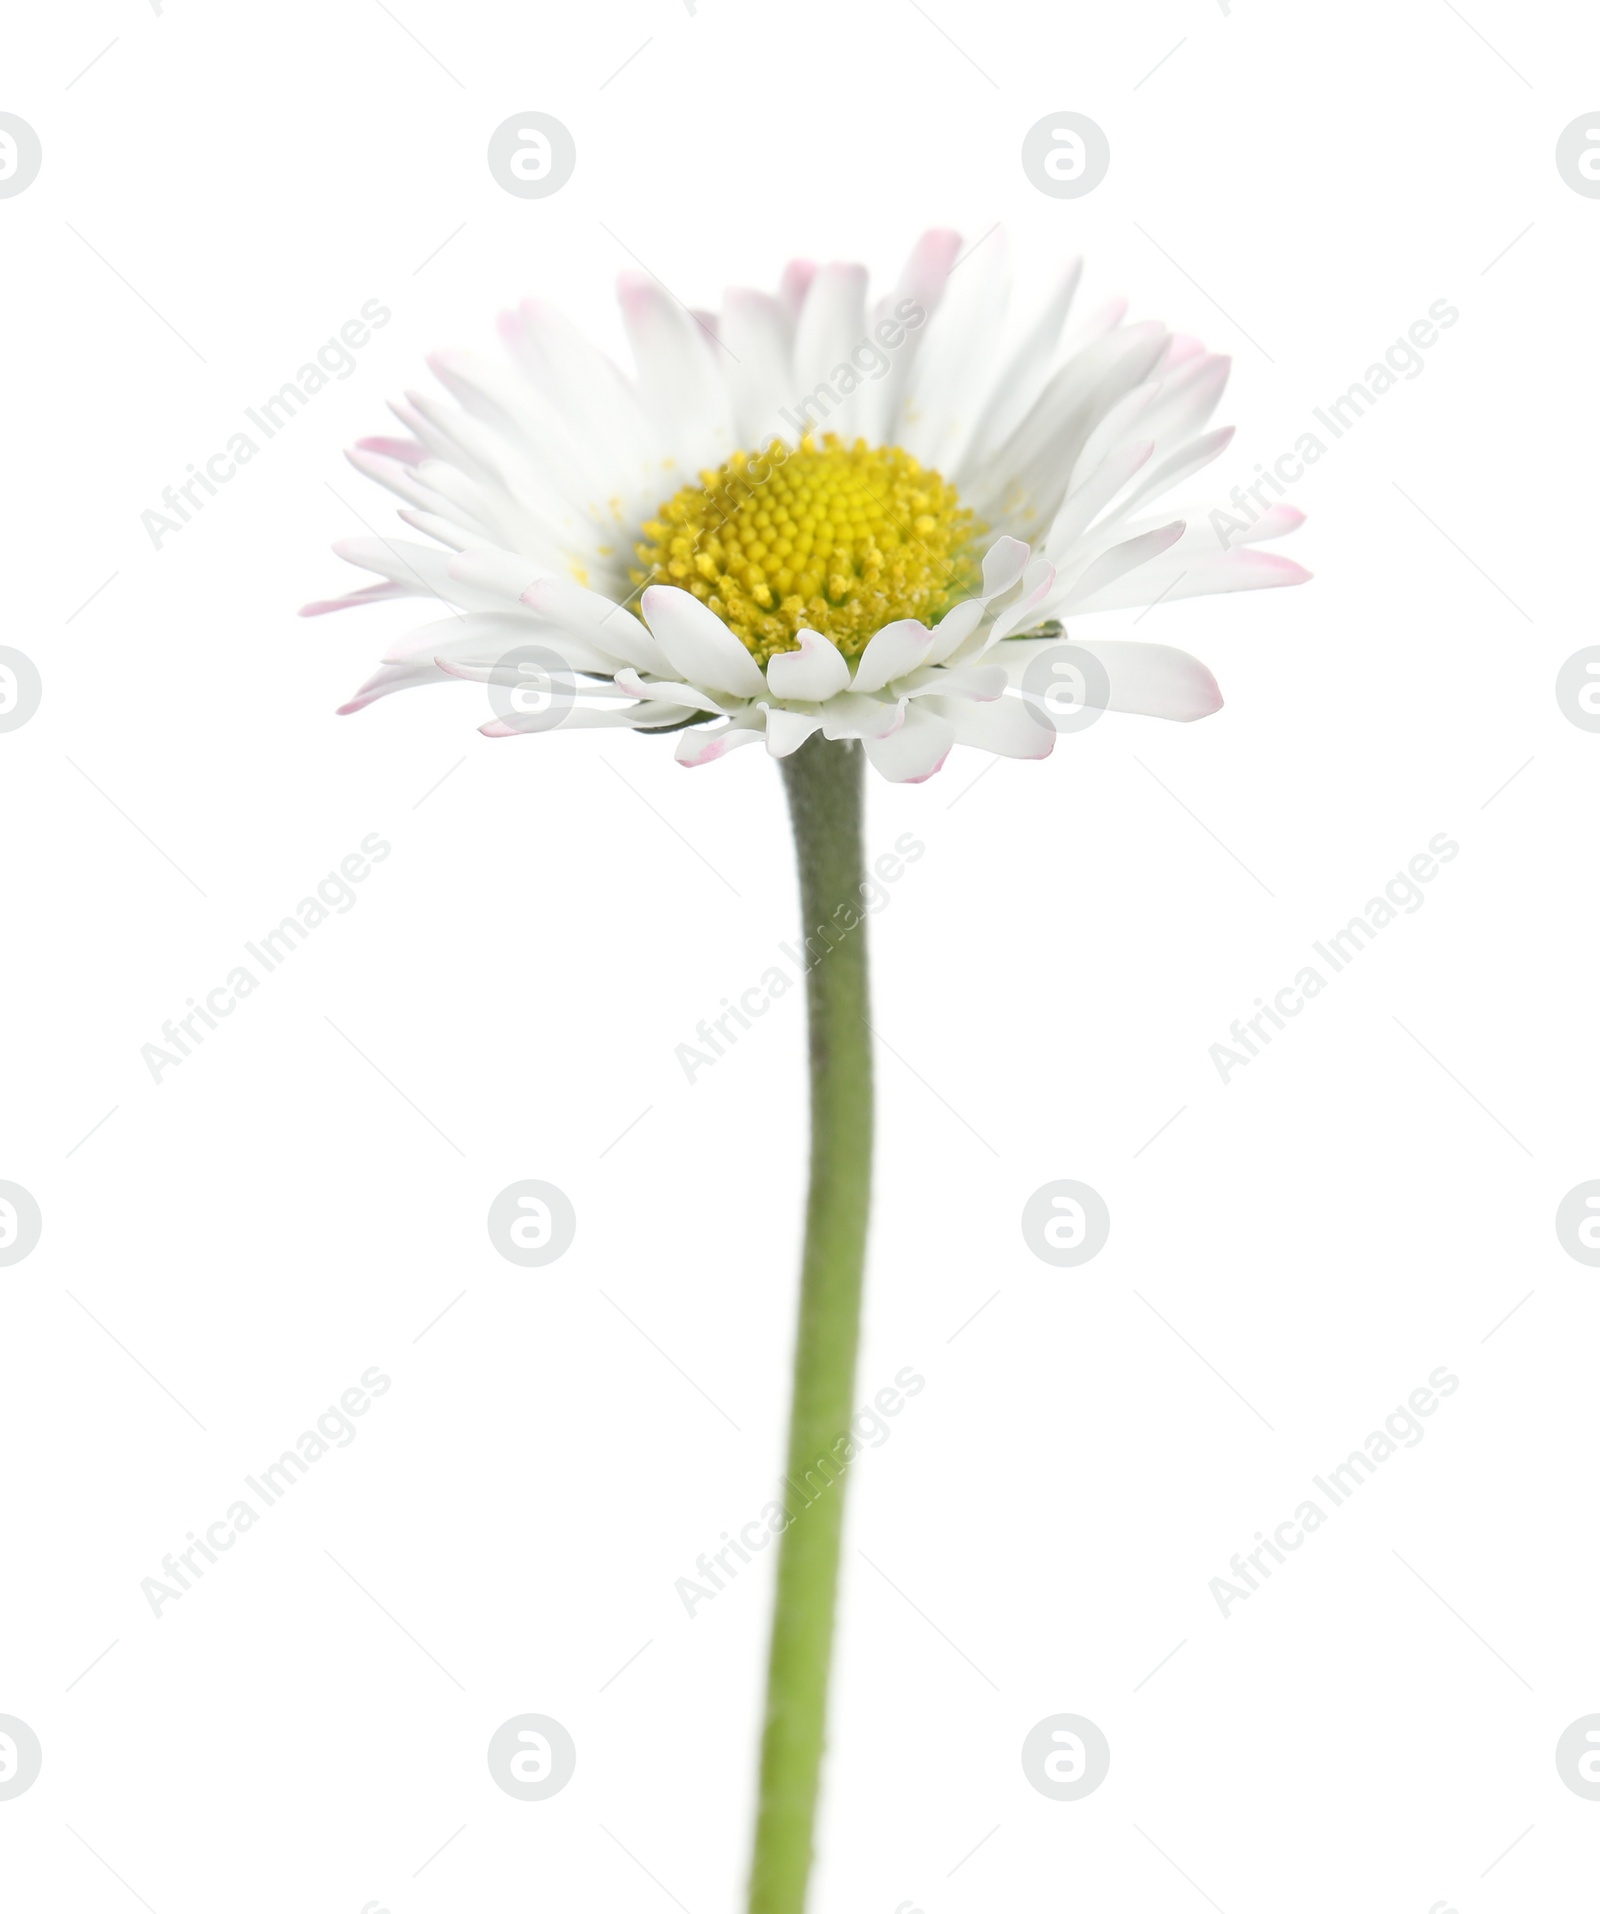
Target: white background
x,y
1366,1201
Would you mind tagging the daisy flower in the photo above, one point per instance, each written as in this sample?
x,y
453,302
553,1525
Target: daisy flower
x,y
811,512
853,532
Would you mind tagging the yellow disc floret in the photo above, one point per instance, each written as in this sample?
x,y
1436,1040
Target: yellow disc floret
x,y
835,538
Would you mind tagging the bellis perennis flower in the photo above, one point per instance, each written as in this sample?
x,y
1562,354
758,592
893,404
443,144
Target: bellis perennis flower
x,y
864,519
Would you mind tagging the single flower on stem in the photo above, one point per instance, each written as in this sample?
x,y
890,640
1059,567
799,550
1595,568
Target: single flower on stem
x,y
852,530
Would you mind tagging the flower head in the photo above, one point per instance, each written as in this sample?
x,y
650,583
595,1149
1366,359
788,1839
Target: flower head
x,y
810,513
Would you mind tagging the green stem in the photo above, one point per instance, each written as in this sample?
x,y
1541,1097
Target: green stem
x,y
824,783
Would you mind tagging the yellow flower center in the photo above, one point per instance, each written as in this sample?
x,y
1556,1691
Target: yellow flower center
x,y
840,539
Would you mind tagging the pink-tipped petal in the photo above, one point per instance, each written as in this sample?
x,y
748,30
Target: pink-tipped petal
x,y
700,646
1263,570
849,716
1181,347
368,595
1277,521
1003,565
915,751
795,284
894,652
816,671
788,730
705,744
1008,728
628,680
407,451
1126,557
1155,681
598,621
930,262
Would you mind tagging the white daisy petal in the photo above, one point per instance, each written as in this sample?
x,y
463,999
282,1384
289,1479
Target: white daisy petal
x,y
447,436
1156,681
980,682
454,537
514,671
395,475
503,574
927,269
587,389
1005,562
1008,727
482,637
795,284
849,716
1020,382
891,653
505,419
1034,593
579,717
1181,348
367,595
1174,469
1084,505
832,324
1031,472
1148,681
954,368
519,459
916,750
1003,565
1277,521
1177,574
1105,570
699,644
487,510
416,570
788,730
407,451
587,615
403,677
904,315
955,629
704,744
1096,324
1125,421
756,331
817,670
688,695
1189,396
679,379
